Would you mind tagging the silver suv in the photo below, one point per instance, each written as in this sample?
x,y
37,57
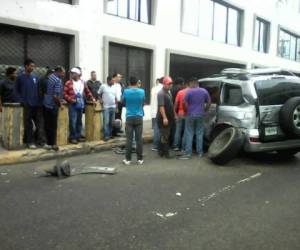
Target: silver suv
x,y
255,110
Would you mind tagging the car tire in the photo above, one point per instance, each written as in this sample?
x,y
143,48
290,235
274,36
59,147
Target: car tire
x,y
290,117
226,145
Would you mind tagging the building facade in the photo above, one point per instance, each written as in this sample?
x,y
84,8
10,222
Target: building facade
x,y
151,38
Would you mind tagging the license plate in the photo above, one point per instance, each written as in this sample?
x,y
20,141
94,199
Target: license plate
x,y
271,131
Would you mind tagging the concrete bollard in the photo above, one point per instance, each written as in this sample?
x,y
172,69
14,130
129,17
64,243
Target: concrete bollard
x,y
12,125
62,126
93,122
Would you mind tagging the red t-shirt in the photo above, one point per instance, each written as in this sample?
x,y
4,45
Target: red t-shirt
x,y
179,99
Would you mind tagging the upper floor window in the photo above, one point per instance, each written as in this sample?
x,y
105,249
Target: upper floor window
x,y
226,23
138,10
220,21
261,35
64,1
289,45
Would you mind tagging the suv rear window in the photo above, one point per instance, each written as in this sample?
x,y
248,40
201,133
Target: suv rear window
x,y
213,88
276,91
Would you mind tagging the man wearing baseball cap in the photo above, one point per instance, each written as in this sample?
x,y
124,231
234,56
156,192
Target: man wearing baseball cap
x,y
74,92
165,116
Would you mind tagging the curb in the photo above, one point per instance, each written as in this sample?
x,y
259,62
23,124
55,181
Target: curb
x,y
27,155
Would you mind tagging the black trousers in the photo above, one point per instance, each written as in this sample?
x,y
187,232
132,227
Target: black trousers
x,y
34,125
51,116
118,116
166,134
134,126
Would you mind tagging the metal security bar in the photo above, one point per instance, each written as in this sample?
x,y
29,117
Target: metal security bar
x,y
47,49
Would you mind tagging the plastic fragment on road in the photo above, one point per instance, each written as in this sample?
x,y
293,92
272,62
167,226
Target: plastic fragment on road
x,y
4,174
178,194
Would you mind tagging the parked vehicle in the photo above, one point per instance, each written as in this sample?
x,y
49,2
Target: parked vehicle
x,y
254,110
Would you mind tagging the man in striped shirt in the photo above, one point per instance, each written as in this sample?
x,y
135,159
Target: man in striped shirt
x,y
53,99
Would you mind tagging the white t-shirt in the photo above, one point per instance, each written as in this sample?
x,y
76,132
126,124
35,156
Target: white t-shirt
x,y
108,94
118,88
153,101
78,87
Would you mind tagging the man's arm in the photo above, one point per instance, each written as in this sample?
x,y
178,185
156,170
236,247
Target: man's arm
x,y
208,102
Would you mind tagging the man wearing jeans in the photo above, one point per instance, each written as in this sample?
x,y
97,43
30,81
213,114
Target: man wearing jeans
x,y
108,97
133,99
197,102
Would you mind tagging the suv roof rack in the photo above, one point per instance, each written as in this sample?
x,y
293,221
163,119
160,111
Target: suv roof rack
x,y
259,71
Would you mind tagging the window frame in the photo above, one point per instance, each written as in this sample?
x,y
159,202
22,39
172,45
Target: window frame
x,y
239,21
267,38
139,19
284,31
225,87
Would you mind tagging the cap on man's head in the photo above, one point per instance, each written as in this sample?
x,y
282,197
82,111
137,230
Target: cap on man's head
x,y
167,80
76,71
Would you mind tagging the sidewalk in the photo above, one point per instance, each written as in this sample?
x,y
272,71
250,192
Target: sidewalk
x,y
30,155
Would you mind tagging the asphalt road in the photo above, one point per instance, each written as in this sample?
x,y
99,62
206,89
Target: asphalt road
x,y
253,203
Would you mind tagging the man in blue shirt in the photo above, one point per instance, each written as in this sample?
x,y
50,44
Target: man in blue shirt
x,y
53,99
28,92
133,100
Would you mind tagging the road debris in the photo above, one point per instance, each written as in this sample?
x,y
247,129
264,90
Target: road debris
x,y
3,174
167,215
63,169
178,194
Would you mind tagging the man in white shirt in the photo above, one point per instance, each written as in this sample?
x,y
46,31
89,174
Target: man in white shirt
x,y
117,77
153,105
108,97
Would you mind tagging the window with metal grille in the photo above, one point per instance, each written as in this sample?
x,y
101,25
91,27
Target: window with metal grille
x,y
289,45
138,10
131,61
47,49
261,35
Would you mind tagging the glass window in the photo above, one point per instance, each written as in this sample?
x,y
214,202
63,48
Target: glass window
x,y
138,10
220,20
261,35
64,1
226,24
190,18
112,7
233,27
232,95
288,46
206,20
276,91
298,50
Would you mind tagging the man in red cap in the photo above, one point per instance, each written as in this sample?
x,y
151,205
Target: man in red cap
x,y
165,116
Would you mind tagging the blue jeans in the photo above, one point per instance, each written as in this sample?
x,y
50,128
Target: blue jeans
x,y
179,139
156,133
108,120
75,122
194,126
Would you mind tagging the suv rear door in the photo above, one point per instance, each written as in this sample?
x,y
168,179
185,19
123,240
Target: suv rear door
x,y
272,94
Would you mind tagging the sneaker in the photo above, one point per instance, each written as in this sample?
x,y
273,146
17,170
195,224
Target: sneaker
x,y
140,162
47,147
126,162
154,149
184,157
73,141
176,149
31,146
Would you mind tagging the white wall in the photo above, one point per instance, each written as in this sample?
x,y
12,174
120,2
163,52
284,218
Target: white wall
x,y
90,25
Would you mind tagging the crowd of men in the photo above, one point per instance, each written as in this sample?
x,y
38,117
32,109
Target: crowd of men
x,y
177,109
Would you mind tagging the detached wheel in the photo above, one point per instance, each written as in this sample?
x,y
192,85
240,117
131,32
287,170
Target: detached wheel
x,y
226,146
290,117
